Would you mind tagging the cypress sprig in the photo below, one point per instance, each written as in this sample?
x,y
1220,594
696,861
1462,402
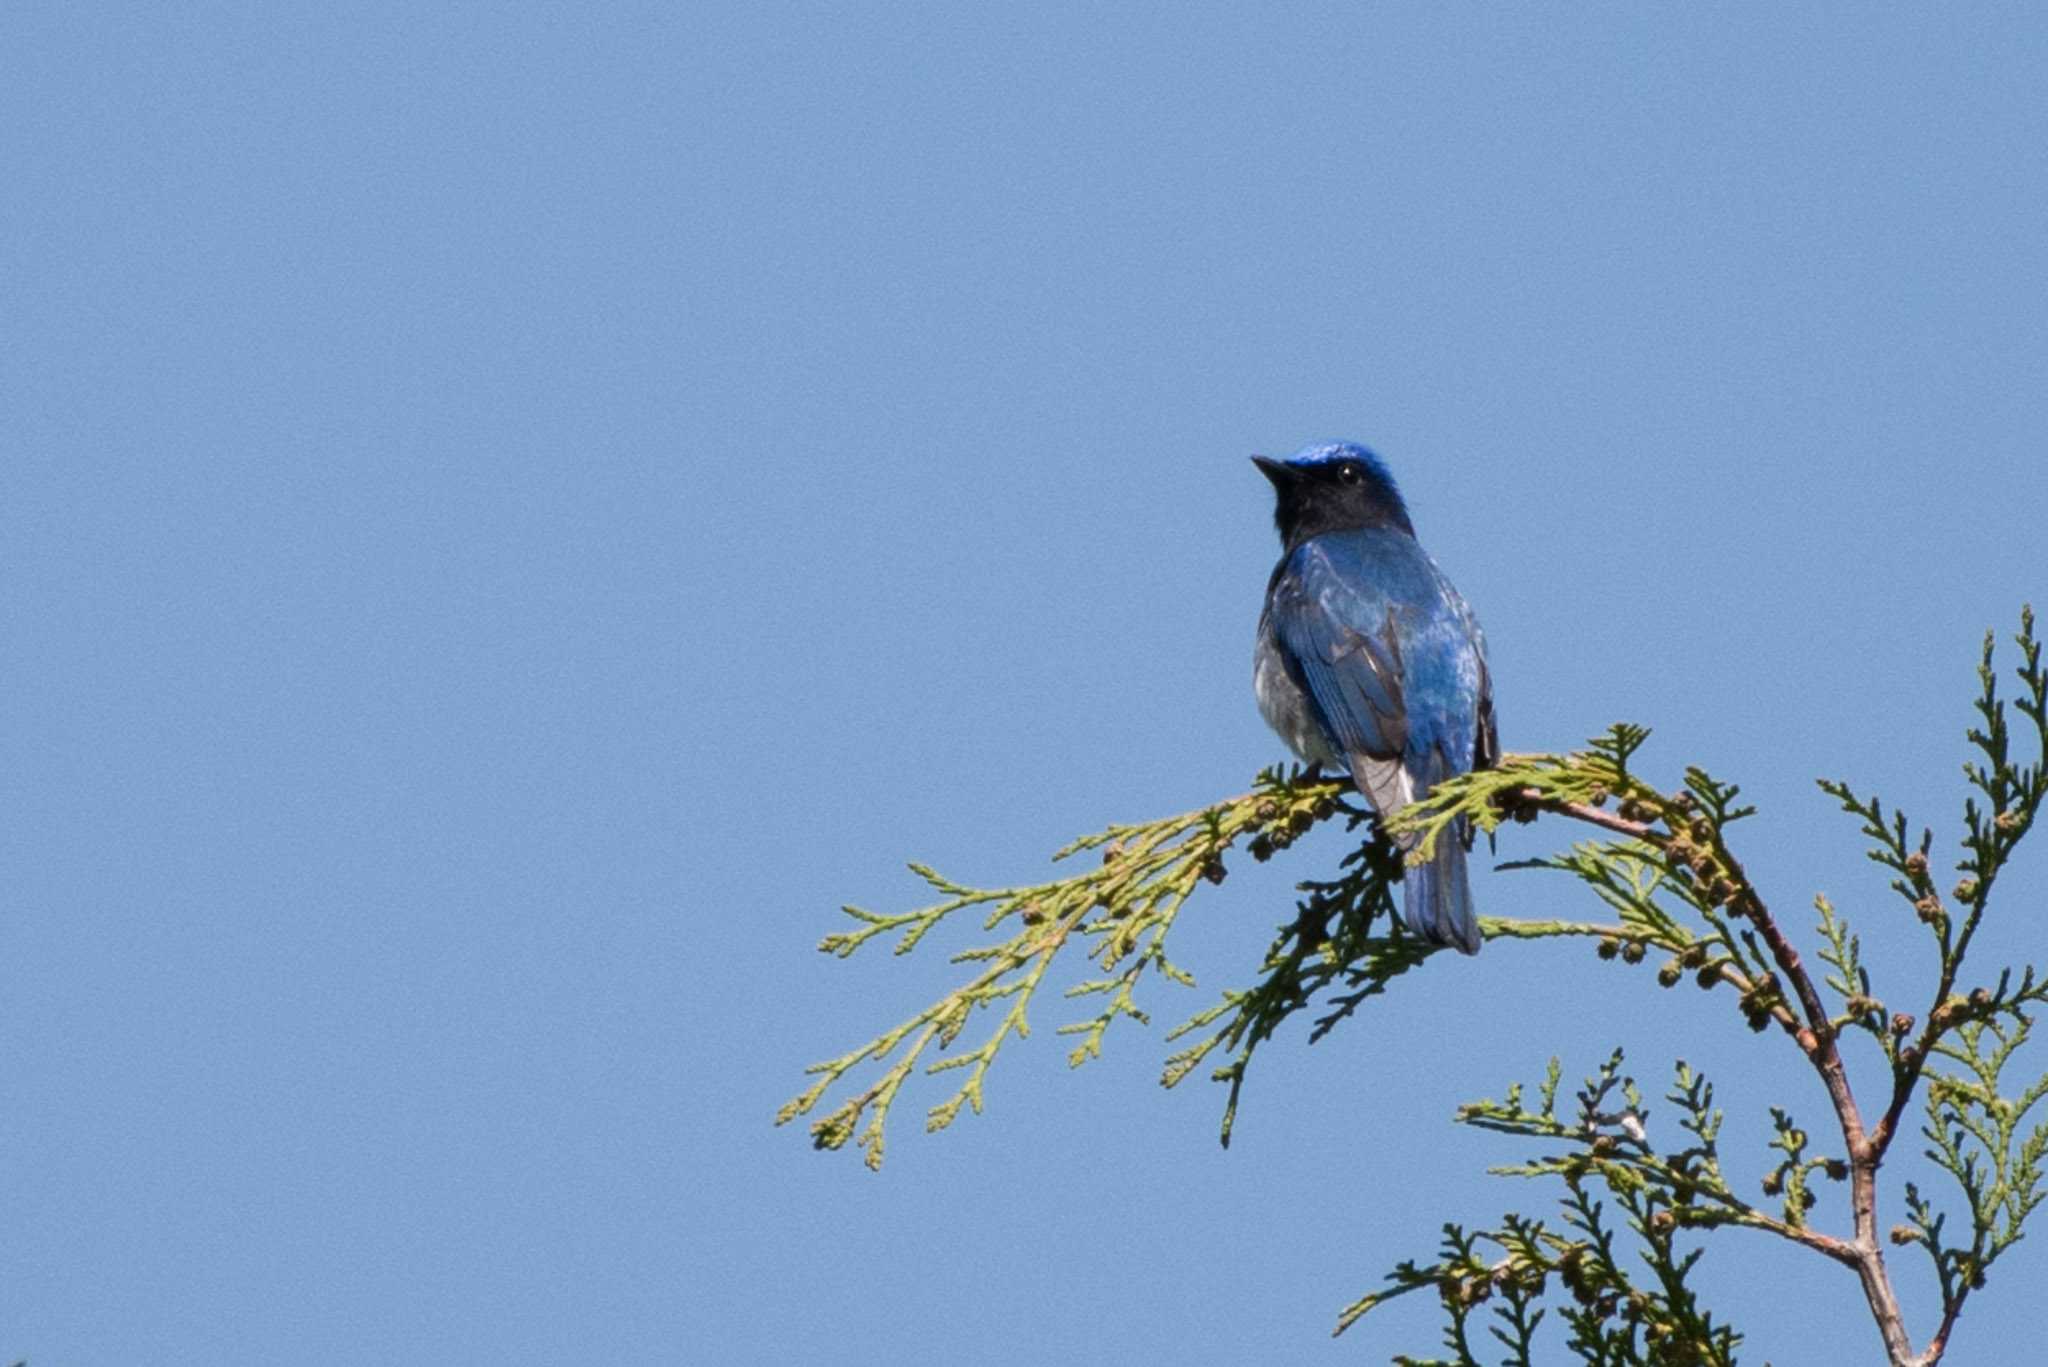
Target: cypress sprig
x,y
1120,911
1637,1204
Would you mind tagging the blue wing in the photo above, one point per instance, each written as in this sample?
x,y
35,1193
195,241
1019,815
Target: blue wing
x,y
1394,666
1338,633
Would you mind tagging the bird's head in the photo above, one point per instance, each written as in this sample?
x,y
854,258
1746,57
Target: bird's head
x,y
1340,487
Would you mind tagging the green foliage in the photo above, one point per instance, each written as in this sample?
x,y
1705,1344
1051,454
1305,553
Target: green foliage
x,y
1616,1308
1980,1137
1614,1267
1329,941
1119,912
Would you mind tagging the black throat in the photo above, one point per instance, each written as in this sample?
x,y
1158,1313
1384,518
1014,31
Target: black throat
x,y
1313,502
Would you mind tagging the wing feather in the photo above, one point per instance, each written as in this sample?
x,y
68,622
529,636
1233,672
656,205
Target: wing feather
x,y
1340,634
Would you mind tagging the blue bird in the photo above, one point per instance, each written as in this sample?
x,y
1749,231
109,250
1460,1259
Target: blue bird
x,y
1368,661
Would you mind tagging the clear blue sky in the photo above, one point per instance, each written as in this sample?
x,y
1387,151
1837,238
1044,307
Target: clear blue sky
x,y
509,515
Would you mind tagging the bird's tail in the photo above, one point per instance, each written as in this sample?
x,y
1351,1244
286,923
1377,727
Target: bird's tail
x,y
1436,897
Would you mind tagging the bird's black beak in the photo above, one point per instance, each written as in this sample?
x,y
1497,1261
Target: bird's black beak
x,y
1283,475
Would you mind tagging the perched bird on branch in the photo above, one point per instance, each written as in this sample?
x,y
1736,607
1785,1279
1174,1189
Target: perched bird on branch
x,y
1370,662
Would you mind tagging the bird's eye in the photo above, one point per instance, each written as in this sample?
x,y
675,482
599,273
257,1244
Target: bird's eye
x,y
1349,473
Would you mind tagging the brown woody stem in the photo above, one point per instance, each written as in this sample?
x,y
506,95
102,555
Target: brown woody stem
x,y
1816,1037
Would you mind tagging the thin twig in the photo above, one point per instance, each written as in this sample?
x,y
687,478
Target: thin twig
x,y
1588,813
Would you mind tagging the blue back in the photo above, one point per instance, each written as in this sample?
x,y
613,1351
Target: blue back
x,y
1393,667
1387,650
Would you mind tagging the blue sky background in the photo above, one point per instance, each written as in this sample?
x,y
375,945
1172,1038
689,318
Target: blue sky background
x,y
511,514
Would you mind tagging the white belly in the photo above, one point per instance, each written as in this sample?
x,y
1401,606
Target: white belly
x,y
1286,708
